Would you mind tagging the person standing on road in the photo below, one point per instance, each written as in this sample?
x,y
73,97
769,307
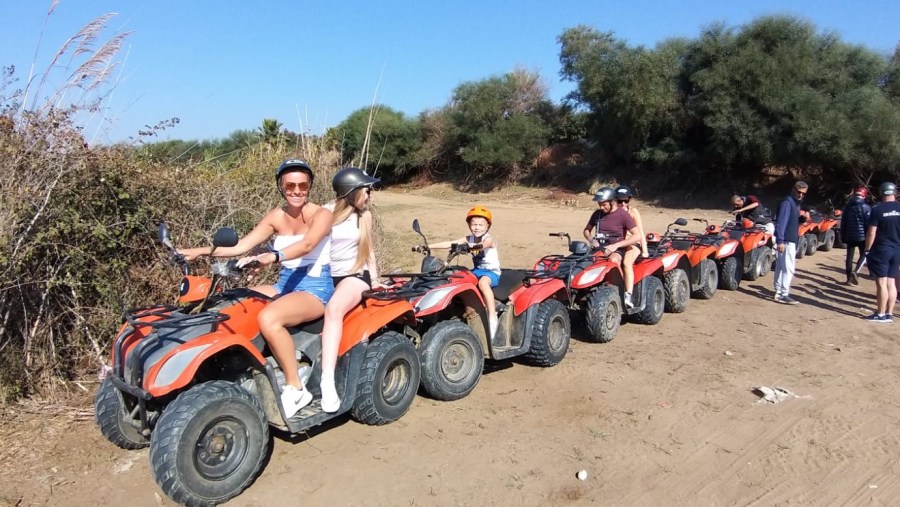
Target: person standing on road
x,y
854,219
883,252
786,237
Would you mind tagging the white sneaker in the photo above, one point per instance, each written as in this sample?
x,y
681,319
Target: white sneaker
x,y
293,399
330,400
628,303
494,323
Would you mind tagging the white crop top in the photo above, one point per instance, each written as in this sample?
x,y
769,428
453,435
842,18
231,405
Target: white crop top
x,y
344,245
315,259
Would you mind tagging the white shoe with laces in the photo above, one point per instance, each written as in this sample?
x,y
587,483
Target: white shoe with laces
x,y
628,303
293,399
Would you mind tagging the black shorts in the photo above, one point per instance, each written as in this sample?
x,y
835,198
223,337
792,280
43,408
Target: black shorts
x,y
884,262
364,276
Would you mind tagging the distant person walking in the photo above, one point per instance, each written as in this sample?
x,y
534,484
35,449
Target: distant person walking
x,y
883,252
854,219
786,238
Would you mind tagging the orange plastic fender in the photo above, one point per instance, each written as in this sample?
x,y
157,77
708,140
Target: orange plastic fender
x,y
365,320
439,298
193,288
177,368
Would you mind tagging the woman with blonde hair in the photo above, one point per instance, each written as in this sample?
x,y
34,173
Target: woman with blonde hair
x,y
353,266
623,199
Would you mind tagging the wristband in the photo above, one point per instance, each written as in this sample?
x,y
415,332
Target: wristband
x,y
279,256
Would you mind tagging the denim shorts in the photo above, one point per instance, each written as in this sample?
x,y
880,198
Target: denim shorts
x,y
495,278
299,280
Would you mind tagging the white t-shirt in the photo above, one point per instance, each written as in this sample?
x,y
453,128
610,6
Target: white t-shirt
x,y
344,245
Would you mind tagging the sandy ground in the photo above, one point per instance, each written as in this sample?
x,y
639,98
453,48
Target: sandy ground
x,y
662,415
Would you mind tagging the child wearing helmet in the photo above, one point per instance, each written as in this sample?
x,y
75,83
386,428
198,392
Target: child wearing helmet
x,y
353,266
485,257
302,246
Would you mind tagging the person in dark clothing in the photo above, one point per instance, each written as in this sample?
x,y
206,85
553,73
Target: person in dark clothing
x,y
750,207
786,238
883,252
853,229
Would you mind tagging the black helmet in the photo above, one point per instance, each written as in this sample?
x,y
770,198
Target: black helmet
x,y
294,164
349,179
623,192
887,188
605,194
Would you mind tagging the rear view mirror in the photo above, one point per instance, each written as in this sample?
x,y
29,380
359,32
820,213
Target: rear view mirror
x,y
225,237
681,221
164,236
416,226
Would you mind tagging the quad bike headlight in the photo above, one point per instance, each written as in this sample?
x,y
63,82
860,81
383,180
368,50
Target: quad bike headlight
x,y
433,298
590,276
668,260
176,364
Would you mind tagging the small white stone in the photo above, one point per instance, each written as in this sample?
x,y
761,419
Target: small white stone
x,y
582,475
729,353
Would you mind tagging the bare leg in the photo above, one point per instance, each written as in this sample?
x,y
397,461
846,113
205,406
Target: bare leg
x,y
628,267
881,295
288,310
346,296
891,295
484,284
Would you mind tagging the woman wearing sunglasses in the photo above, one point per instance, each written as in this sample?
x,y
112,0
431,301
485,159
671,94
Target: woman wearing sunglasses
x,y
302,245
623,199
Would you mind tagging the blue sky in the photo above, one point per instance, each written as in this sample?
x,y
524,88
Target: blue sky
x,y
221,66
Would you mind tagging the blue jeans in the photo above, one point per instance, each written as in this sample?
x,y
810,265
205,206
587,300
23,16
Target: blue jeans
x,y
299,280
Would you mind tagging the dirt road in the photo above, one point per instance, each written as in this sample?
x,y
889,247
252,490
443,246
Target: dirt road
x,y
662,415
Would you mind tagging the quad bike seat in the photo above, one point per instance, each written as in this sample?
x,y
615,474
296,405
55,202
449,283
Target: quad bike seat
x,y
510,280
301,334
682,244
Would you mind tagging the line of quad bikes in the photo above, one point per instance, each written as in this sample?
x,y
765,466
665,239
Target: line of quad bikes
x,y
196,382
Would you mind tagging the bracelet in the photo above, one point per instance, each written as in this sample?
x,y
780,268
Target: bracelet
x,y
279,256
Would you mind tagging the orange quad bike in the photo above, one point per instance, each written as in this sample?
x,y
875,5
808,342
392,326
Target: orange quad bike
x,y
676,265
826,227
808,241
754,255
699,256
197,383
595,287
451,331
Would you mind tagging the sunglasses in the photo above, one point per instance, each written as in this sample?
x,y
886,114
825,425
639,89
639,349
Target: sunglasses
x,y
296,187
623,201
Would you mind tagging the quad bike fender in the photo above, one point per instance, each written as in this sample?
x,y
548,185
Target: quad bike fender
x,y
366,320
728,248
647,267
697,255
438,299
179,366
527,296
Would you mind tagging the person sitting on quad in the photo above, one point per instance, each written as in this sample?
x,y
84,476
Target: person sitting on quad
x,y
353,266
485,257
853,229
623,199
749,207
617,227
302,246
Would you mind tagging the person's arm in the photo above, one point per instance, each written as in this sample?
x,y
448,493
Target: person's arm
x,y
870,236
589,228
318,229
633,237
371,261
487,242
446,244
636,215
784,210
748,207
263,231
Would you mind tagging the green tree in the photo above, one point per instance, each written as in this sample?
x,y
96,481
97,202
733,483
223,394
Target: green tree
x,y
501,123
379,139
270,130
